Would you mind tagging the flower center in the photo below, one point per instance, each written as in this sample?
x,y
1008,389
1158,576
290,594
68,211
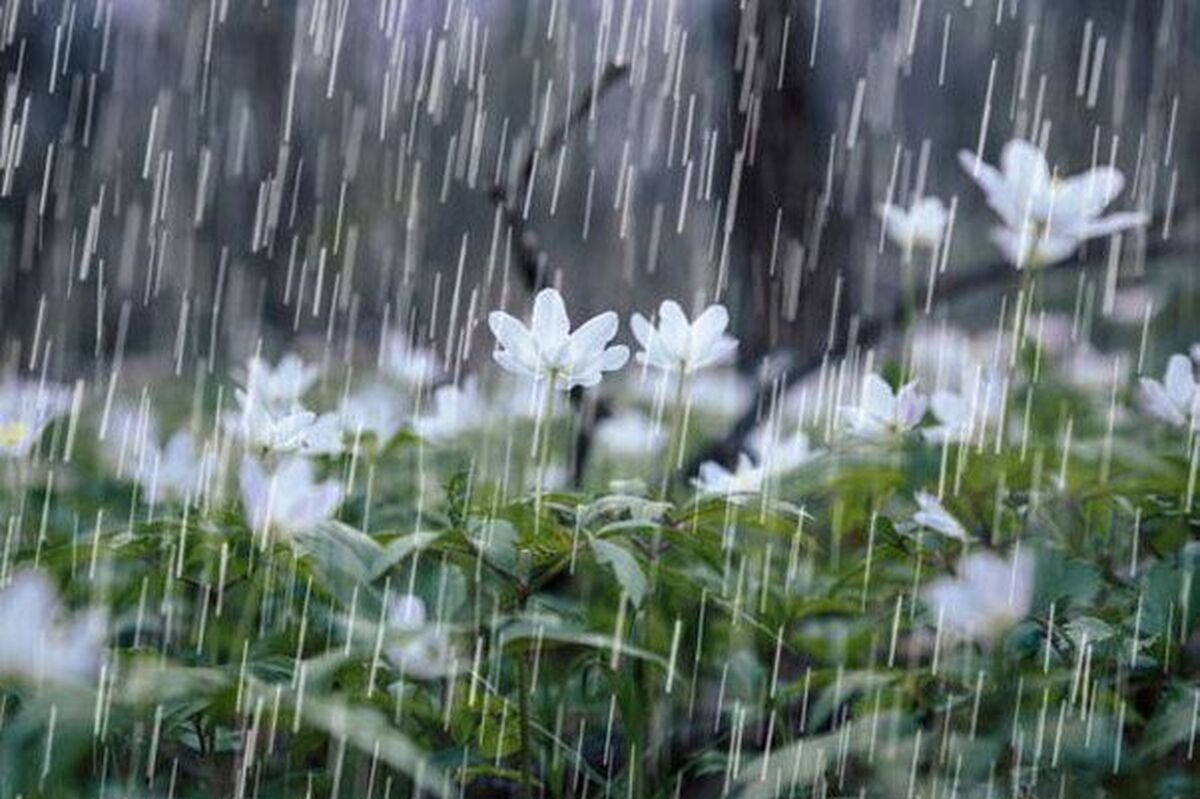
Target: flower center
x,y
12,434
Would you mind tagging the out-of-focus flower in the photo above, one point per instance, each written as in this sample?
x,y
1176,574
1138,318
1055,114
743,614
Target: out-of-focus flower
x,y
986,598
884,413
720,392
268,429
425,652
1054,333
412,366
715,480
921,225
677,346
180,467
783,455
289,499
377,409
944,357
26,408
961,416
932,513
630,434
456,409
1088,369
36,644
1132,305
172,472
280,387
548,350
1046,217
1175,399
131,447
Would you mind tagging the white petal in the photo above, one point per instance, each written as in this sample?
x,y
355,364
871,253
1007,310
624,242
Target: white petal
x,y
1025,168
593,334
1085,195
674,328
878,400
1179,382
550,325
998,193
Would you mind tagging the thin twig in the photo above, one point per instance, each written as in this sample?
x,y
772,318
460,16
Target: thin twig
x,y
532,259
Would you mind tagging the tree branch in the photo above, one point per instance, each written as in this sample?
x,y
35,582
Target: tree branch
x,y
871,330
532,259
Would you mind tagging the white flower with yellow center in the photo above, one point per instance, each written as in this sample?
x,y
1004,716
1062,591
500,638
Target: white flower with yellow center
x,y
26,409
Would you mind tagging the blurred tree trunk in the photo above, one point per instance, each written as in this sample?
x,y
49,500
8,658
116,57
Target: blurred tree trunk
x,y
791,238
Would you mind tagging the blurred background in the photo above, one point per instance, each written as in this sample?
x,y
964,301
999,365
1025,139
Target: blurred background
x,y
184,183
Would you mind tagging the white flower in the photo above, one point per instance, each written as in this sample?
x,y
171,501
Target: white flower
x,y
987,597
630,434
270,429
412,366
547,349
1046,217
932,513
456,409
36,644
280,388
1133,305
715,480
377,409
514,399
677,346
714,392
783,455
1054,333
131,447
425,652
883,413
720,392
289,499
944,357
180,466
961,417
1175,399
26,408
555,477
921,225
1088,369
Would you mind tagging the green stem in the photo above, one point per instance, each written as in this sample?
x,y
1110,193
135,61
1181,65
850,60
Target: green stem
x,y
541,437
523,709
678,432
909,287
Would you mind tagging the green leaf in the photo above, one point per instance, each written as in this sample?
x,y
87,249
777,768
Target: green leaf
x,y
400,549
492,727
1173,724
799,764
344,559
497,540
368,730
625,566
